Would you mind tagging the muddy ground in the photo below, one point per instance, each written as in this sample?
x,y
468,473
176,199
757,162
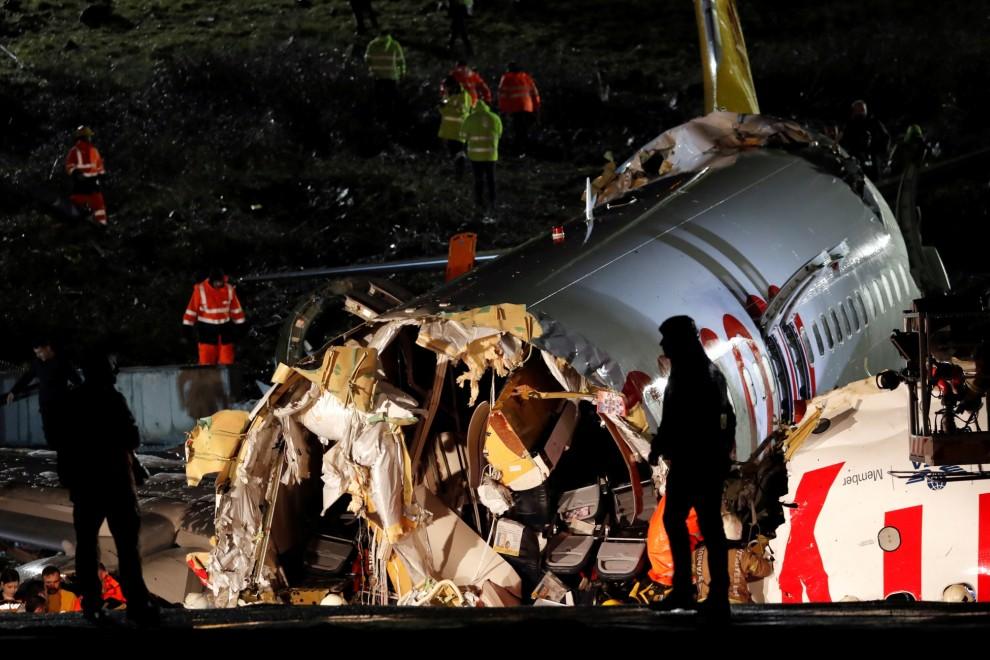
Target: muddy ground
x,y
240,133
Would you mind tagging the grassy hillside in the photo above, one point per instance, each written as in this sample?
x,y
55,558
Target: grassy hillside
x,y
240,133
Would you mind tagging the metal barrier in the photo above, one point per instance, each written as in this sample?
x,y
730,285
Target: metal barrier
x,y
166,402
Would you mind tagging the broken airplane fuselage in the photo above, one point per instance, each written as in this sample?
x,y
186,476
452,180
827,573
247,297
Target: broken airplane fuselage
x,y
789,261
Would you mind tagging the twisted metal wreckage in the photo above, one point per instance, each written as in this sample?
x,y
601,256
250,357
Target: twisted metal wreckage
x,y
354,421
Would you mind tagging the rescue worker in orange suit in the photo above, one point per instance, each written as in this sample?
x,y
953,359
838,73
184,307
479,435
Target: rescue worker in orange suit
x,y
658,544
696,436
519,99
472,82
213,316
113,595
85,167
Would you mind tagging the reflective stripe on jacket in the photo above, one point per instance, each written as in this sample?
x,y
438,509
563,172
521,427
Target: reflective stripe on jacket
x,y
517,93
111,589
84,158
472,81
453,111
481,131
213,305
385,58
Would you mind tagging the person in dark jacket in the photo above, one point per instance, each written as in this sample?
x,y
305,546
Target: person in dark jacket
x,y
459,11
100,478
56,377
362,9
696,435
866,138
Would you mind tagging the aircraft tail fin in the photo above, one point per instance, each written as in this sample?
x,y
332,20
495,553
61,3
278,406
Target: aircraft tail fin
x,y
724,62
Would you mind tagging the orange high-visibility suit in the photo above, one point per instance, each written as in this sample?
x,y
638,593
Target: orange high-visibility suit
x,y
517,93
214,311
472,82
85,165
658,545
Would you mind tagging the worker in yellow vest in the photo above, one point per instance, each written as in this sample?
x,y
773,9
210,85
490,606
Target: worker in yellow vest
x,y
481,132
387,65
454,109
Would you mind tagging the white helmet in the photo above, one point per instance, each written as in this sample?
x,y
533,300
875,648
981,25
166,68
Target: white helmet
x,y
959,592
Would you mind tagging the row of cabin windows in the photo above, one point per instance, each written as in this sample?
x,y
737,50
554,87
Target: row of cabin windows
x,y
857,310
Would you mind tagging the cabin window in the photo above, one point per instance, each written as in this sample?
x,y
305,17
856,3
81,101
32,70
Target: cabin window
x,y
818,338
897,286
861,307
780,374
869,302
835,325
828,331
844,315
886,289
807,344
796,350
904,277
879,297
853,314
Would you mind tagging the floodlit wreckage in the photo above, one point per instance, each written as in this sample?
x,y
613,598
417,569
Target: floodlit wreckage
x,y
429,479
462,455
426,470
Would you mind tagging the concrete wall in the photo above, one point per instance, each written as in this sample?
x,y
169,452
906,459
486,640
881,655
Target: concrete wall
x,y
165,401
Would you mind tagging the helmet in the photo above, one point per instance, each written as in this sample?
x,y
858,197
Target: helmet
x,y
85,132
959,593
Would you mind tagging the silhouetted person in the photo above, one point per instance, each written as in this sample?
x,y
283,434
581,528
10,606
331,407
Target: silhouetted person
x,y
910,151
101,486
459,11
866,138
55,377
696,436
362,9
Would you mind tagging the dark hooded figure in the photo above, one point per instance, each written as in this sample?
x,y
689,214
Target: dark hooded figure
x,y
696,435
56,377
100,477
